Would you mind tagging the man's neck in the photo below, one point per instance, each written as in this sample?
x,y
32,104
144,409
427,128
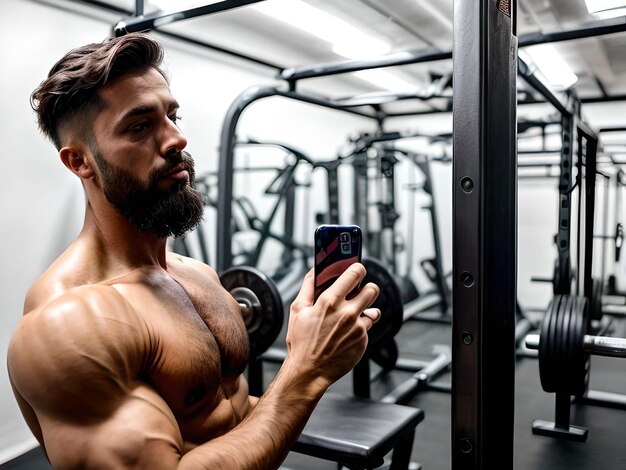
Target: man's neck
x,y
120,244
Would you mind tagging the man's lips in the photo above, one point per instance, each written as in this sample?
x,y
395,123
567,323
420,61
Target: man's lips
x,y
179,172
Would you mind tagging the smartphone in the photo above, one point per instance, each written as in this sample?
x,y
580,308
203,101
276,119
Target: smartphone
x,y
336,248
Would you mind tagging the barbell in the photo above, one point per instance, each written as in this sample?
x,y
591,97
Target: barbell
x,y
564,350
564,346
594,345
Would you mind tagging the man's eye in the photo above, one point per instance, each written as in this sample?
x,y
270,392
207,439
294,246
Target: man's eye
x,y
175,118
139,128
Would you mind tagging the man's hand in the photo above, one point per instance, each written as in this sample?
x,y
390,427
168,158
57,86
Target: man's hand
x,y
327,339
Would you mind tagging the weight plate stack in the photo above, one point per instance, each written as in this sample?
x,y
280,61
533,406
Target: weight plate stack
x,y
563,364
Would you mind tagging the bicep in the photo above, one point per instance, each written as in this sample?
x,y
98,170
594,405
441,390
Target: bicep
x,y
75,364
140,433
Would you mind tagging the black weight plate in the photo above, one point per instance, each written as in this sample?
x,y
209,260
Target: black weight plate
x,y
547,368
564,339
250,286
389,302
563,364
386,356
580,360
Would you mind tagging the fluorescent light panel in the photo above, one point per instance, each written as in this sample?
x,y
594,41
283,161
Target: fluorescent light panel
x,y
605,9
346,40
595,6
551,65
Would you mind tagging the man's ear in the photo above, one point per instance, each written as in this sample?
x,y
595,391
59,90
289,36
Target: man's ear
x,y
77,162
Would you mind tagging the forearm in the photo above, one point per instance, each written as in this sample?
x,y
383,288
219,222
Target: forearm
x,y
263,439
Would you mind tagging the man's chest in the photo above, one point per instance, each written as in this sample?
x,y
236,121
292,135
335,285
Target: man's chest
x,y
197,341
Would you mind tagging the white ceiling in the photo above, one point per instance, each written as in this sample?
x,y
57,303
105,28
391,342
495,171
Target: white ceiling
x,y
406,25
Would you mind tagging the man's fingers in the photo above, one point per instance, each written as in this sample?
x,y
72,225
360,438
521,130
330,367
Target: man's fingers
x,y
348,280
373,314
305,296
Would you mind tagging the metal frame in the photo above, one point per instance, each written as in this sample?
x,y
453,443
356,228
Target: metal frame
x,y
142,23
563,268
226,158
484,234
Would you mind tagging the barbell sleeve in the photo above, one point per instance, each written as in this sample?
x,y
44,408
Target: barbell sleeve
x,y
605,346
595,345
532,341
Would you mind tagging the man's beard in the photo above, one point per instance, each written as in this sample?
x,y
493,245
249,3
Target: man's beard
x,y
150,209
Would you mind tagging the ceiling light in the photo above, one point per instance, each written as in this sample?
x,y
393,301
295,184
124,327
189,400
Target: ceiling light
x,y
346,39
605,6
614,13
551,65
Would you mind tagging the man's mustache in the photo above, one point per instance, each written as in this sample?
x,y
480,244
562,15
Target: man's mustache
x,y
175,160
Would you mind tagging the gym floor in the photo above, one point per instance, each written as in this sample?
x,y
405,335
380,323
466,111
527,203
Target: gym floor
x,y
604,448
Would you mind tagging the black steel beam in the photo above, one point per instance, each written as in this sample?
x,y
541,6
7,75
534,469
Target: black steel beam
x,y
537,82
593,29
144,23
611,129
600,86
598,28
112,8
484,234
604,99
223,50
345,66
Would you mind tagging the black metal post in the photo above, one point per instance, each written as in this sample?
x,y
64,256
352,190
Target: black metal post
x,y
484,234
563,268
591,146
423,163
605,229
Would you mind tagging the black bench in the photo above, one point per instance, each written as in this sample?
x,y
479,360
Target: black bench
x,y
358,433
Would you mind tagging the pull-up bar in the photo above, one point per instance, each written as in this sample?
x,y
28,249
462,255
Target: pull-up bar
x,y
142,23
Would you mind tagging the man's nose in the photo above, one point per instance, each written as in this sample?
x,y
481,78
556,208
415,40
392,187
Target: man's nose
x,y
173,141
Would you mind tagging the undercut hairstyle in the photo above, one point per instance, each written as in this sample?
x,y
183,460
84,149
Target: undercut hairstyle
x,y
69,98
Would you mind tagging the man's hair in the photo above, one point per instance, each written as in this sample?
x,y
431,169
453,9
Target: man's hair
x,y
69,97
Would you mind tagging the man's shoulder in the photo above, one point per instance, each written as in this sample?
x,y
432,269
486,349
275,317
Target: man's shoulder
x,y
78,335
50,296
81,309
84,345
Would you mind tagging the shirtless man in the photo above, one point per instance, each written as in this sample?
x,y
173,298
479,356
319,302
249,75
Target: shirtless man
x,y
129,356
